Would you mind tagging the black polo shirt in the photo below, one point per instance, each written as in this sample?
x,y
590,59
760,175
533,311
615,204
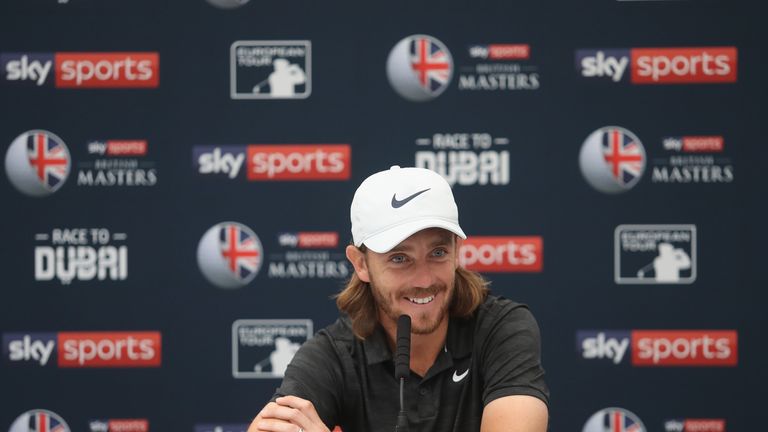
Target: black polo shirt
x,y
352,383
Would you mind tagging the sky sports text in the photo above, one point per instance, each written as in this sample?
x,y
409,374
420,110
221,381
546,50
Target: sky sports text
x,y
660,65
660,347
502,254
83,70
275,162
84,349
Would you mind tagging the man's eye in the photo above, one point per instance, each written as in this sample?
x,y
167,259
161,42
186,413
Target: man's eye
x,y
397,259
440,252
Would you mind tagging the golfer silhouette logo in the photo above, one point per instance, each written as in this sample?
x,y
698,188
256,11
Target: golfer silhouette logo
x,y
283,81
669,263
280,357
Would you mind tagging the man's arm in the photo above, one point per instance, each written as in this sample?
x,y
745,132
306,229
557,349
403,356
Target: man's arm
x,y
517,413
310,391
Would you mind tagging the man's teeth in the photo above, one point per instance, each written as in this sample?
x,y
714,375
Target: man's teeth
x,y
423,300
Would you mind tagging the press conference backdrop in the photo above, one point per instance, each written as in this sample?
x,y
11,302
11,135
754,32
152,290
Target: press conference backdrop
x,y
177,180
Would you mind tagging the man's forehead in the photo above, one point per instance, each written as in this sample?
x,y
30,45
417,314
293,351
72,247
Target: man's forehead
x,y
434,237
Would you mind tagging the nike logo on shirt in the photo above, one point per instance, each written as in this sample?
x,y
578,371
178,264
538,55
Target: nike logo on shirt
x,y
396,203
457,377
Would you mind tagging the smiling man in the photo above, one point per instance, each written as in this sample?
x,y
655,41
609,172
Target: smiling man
x,y
475,358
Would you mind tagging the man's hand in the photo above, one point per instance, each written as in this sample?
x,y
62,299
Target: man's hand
x,y
288,414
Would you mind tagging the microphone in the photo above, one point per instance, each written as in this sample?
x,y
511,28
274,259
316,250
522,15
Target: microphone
x,y
403,366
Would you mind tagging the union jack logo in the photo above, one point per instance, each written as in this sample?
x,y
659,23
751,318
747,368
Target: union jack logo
x,y
614,420
241,248
49,158
431,62
39,421
624,156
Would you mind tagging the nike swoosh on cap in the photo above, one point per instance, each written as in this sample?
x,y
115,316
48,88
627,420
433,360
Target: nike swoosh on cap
x,y
396,203
457,377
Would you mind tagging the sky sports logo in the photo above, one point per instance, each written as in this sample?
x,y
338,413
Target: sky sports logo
x,y
83,349
694,144
660,347
82,70
309,239
274,162
660,65
502,254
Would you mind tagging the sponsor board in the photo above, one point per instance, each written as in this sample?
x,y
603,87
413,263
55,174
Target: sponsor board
x,y
39,420
81,254
659,65
271,69
263,348
230,255
655,254
420,68
693,159
502,254
654,348
118,425
614,419
119,349
274,162
308,255
695,425
74,70
465,159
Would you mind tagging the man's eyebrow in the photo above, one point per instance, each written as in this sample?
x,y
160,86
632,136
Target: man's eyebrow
x,y
444,239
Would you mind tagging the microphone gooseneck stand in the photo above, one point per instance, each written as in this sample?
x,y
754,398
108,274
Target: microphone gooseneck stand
x,y
403,366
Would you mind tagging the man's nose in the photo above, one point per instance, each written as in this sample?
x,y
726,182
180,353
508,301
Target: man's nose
x,y
423,275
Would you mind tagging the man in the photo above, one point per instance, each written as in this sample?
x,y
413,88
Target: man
x,y
475,358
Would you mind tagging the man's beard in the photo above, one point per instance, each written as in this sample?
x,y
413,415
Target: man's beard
x,y
420,324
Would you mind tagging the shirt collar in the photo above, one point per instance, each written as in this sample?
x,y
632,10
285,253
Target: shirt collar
x,y
458,342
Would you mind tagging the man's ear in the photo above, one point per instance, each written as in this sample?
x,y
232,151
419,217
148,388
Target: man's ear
x,y
357,258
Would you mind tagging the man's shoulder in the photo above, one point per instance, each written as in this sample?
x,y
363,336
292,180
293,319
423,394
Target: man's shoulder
x,y
340,332
498,310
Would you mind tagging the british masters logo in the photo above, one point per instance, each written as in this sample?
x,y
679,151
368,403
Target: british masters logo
x,y
655,254
37,163
119,163
499,67
614,419
465,158
263,348
81,254
692,160
39,420
612,159
420,68
308,255
229,255
271,69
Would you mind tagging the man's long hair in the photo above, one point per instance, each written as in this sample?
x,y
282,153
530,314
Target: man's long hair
x,y
356,299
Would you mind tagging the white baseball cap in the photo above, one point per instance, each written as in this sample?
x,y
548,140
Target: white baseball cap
x,y
392,205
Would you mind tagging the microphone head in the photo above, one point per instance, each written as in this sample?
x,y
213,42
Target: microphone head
x,y
403,343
